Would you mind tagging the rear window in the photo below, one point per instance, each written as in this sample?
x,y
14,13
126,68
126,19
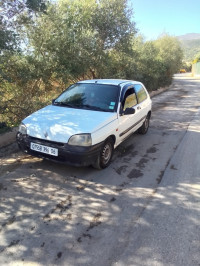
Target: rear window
x,y
141,93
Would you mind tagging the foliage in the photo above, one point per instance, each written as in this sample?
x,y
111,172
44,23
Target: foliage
x,y
171,54
11,11
191,48
187,66
50,45
197,58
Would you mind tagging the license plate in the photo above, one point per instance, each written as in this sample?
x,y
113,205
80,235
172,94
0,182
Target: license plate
x,y
44,149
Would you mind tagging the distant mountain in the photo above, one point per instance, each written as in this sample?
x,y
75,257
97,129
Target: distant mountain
x,y
189,36
191,45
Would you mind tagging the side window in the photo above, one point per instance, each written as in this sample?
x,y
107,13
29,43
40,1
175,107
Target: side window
x,y
130,99
141,93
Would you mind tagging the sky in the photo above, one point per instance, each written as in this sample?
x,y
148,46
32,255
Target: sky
x,y
174,17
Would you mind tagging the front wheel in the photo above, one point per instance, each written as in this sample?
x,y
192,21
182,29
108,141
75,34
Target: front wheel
x,y
105,155
145,126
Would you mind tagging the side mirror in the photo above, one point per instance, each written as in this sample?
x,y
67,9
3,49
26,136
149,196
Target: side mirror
x,y
129,111
53,101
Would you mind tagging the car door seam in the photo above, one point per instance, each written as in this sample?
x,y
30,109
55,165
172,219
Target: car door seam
x,y
128,129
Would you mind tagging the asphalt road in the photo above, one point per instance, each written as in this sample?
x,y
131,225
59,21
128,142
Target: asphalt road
x,y
142,210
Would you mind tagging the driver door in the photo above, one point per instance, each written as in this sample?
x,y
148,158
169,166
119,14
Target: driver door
x,y
128,123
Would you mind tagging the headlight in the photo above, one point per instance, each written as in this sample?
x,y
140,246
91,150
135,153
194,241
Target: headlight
x,y
22,129
80,140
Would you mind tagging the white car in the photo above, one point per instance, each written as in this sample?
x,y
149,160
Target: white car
x,y
87,122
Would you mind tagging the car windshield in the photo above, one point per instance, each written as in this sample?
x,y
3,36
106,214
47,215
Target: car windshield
x,y
92,96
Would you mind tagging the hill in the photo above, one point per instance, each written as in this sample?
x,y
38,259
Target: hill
x,y
191,45
189,36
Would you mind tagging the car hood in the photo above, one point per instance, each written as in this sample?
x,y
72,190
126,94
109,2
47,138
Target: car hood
x,y
58,123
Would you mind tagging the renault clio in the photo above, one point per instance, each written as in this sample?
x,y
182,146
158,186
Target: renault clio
x,y
87,122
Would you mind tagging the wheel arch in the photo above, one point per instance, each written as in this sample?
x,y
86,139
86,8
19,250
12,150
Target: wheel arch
x,y
113,137
149,114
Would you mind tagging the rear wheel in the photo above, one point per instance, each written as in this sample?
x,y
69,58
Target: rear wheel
x,y
145,126
105,155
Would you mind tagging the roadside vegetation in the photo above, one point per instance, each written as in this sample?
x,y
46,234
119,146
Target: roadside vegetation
x,y
197,58
190,44
191,49
47,45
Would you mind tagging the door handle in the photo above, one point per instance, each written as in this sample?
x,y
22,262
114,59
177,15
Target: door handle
x,y
138,108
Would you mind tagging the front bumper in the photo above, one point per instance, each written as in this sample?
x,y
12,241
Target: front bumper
x,y
72,155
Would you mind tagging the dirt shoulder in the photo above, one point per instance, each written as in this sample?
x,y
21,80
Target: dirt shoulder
x,y
8,137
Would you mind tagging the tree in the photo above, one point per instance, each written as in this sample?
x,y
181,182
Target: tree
x,y
15,74
170,53
197,58
63,44
47,45
11,10
76,39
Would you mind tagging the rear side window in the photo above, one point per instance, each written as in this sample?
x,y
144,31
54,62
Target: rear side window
x,y
141,93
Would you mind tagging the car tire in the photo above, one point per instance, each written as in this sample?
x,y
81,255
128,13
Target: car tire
x,y
105,155
145,126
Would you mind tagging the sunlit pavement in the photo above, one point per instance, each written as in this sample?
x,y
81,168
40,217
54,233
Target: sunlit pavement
x,y
168,231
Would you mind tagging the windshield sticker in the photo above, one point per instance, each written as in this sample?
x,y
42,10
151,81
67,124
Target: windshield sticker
x,y
112,103
111,107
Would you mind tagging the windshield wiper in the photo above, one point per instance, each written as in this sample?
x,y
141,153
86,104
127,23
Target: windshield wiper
x,y
96,108
81,106
64,104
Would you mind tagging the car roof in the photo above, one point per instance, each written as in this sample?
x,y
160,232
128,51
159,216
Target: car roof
x,y
110,81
